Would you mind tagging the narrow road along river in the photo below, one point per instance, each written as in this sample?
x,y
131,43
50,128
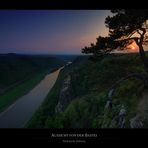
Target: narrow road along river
x,y
17,115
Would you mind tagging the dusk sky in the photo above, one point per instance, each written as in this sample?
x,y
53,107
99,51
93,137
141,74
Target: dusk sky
x,y
50,31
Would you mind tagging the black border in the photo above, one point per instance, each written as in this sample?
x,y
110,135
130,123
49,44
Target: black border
x,y
104,136
72,4
82,136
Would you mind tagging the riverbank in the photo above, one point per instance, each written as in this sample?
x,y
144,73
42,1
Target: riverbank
x,y
11,95
21,111
20,73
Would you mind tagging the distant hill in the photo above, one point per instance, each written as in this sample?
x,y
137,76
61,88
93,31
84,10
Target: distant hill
x,y
66,58
15,68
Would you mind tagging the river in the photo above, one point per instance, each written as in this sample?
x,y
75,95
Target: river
x,y
19,113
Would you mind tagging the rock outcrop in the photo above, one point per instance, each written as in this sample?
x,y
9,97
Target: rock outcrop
x,y
116,115
136,122
122,114
66,95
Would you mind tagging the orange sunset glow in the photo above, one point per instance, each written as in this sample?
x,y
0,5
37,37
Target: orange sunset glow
x,y
132,47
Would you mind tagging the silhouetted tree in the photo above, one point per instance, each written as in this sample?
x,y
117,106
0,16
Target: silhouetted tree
x,y
125,27
103,46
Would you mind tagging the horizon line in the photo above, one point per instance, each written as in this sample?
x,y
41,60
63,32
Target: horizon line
x,y
43,53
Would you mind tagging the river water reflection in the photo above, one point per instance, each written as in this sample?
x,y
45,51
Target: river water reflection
x,y
17,115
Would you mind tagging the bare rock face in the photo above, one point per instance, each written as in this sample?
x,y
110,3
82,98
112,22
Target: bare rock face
x,y
114,122
136,122
59,107
66,95
118,120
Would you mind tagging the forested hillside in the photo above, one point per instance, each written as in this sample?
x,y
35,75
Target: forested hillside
x,y
80,96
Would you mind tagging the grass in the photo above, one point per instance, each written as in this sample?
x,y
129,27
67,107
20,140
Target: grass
x,y
16,92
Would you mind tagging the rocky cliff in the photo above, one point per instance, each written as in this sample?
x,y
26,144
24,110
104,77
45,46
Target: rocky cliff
x,y
83,96
66,95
